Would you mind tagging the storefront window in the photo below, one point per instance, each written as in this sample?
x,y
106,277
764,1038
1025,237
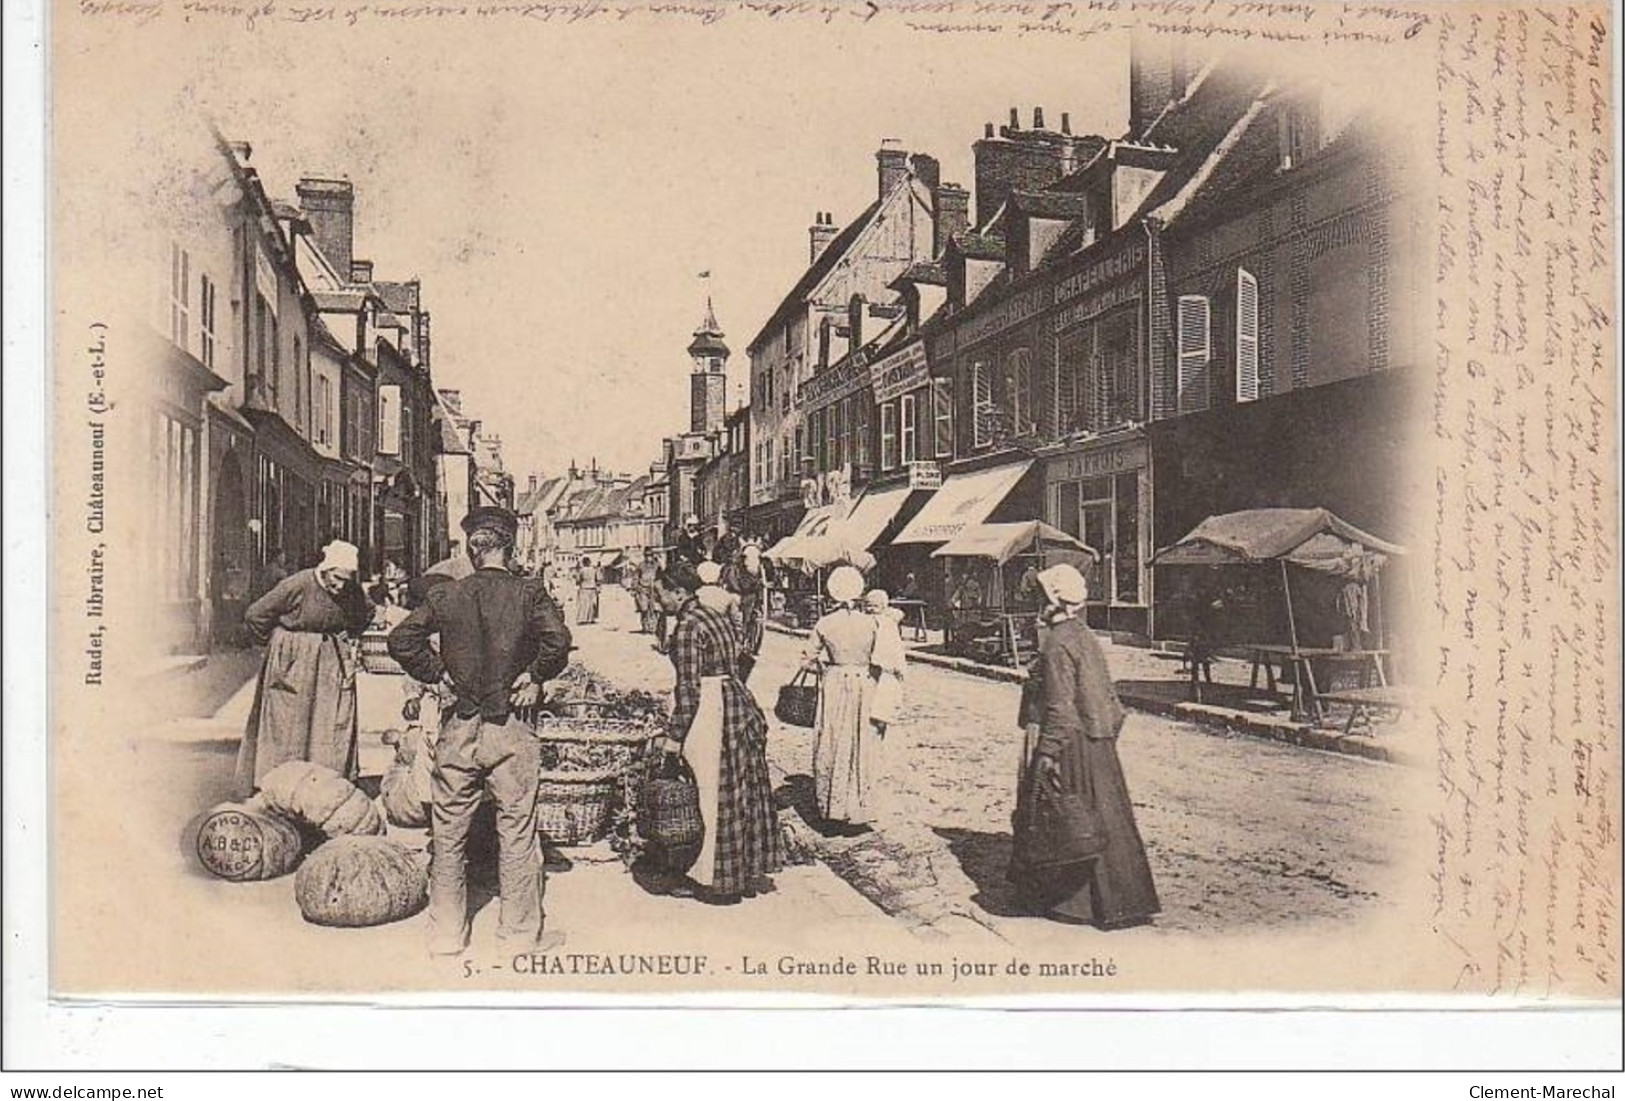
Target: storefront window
x,y
1095,502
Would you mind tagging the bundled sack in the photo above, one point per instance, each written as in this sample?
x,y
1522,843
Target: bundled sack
x,y
405,793
245,842
316,796
356,881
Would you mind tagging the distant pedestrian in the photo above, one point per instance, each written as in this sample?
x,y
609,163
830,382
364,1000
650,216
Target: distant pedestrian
x,y
587,593
714,596
747,580
719,729
501,636
725,544
842,648
890,660
304,702
691,542
1077,855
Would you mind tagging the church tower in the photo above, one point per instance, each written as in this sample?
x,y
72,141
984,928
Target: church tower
x,y
708,381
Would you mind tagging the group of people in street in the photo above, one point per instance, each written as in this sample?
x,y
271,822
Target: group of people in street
x,y
484,638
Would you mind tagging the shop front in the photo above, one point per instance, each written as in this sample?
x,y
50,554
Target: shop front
x,y
1099,492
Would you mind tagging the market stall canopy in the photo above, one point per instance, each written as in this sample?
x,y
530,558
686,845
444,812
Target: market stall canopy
x,y
1311,537
1002,542
815,524
963,500
869,517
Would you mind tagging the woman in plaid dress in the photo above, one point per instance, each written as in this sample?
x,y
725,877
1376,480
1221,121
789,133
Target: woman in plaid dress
x,y
719,729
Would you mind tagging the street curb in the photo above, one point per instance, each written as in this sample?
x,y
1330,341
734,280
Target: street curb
x,y
1228,720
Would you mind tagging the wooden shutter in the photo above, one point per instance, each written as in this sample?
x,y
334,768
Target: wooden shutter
x,y
1021,392
942,408
1195,350
981,404
910,427
1246,336
888,435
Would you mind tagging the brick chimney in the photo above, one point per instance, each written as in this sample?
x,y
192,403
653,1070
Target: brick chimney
x,y
361,271
927,169
821,233
952,216
892,161
1157,75
1017,159
854,322
533,483
329,205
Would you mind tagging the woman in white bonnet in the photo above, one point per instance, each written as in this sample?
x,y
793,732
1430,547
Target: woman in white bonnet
x,y
1088,865
842,647
889,659
305,703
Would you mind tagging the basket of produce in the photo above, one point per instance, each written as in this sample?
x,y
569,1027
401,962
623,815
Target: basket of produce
x,y
375,654
574,807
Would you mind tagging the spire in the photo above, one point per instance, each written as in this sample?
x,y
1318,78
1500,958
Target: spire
x,y
707,340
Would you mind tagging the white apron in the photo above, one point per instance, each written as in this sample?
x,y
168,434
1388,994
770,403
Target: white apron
x,y
703,751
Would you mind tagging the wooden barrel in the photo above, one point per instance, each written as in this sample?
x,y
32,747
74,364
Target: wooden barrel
x,y
241,843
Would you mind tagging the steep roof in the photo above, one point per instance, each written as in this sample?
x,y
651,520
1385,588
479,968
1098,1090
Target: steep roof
x,y
816,271
399,297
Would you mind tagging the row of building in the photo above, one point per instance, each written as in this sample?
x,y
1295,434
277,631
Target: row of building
x,y
292,401
1217,310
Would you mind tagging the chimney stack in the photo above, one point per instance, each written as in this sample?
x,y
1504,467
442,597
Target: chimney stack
x,y
243,151
987,131
820,234
329,206
1015,119
1038,118
1153,61
1066,122
361,271
533,483
952,216
854,323
892,161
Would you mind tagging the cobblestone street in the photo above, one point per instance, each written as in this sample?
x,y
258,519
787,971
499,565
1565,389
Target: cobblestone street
x,y
1242,833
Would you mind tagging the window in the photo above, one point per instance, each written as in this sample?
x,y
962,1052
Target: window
x,y
835,426
981,405
1072,355
389,420
1195,348
206,319
1299,129
1126,541
1246,336
888,435
1117,354
1020,382
942,416
862,419
819,441
324,410
180,278
301,376
908,415
274,338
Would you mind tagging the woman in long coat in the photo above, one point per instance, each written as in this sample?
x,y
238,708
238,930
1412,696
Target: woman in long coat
x,y
304,704
720,730
1072,717
845,746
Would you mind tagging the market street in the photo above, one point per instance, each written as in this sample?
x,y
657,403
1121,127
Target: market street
x,y
1242,834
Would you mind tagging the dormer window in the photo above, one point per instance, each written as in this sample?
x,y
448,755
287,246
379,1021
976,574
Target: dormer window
x,y
1299,127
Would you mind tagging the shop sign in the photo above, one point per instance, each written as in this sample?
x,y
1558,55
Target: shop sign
x,y
846,377
924,475
1012,311
1091,308
1096,462
900,372
1103,271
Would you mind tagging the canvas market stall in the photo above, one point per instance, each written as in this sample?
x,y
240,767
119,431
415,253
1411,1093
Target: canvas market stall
x,y
1298,588
994,599
820,543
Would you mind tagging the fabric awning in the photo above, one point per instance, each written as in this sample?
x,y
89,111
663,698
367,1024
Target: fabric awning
x,y
963,500
1002,542
1311,537
871,514
814,524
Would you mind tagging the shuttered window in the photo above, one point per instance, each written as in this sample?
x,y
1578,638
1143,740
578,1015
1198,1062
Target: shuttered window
x,y
389,420
1021,391
908,414
1195,350
1246,335
981,405
942,409
888,436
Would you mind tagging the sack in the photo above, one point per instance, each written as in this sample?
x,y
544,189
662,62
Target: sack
x,y
798,701
1063,828
670,812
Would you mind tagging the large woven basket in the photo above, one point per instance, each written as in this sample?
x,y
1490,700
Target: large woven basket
x,y
576,808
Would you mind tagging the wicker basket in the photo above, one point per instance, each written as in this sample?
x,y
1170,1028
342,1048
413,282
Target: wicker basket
x,y
375,655
552,728
575,808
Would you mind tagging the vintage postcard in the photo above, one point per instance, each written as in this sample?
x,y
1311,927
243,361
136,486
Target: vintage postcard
x,y
1060,501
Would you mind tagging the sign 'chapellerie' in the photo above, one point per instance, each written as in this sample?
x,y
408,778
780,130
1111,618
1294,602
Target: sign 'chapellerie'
x,y
900,372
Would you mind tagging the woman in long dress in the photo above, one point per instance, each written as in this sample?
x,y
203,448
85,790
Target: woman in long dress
x,y
587,593
845,746
719,729
304,703
1072,717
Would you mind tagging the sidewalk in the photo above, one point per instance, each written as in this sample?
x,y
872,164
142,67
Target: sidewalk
x,y
1147,681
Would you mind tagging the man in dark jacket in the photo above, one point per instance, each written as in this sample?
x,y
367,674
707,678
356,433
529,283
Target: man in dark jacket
x,y
501,635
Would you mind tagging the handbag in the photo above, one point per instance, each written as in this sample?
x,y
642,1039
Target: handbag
x,y
797,704
670,812
1063,828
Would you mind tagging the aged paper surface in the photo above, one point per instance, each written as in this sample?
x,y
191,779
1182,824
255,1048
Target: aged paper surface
x,y
557,174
